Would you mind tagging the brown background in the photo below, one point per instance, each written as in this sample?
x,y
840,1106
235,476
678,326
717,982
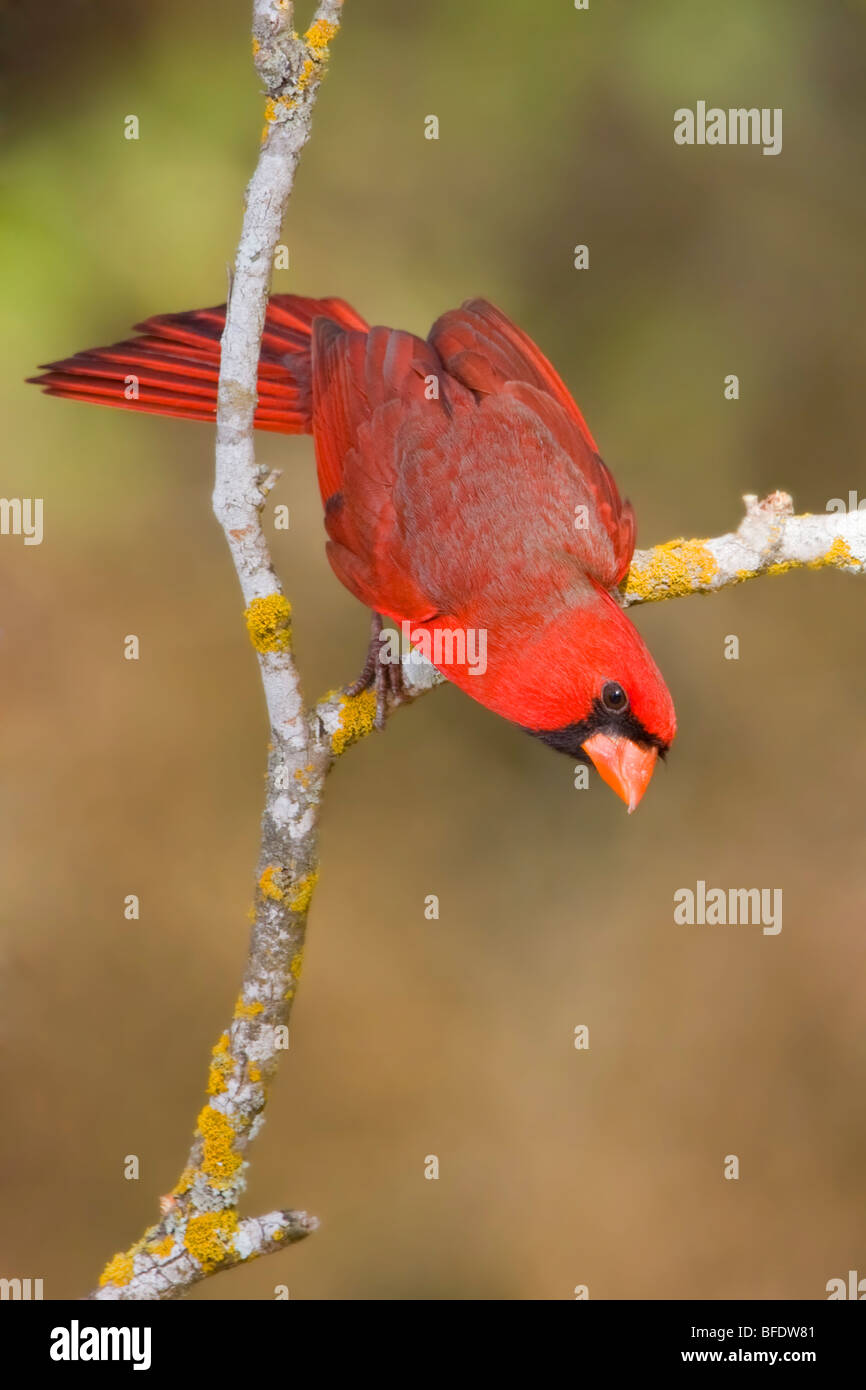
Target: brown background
x,y
410,1037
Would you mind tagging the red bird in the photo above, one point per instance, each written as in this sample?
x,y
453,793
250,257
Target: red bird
x,y
463,494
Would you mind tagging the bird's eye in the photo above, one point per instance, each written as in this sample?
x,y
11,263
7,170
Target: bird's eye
x,y
614,698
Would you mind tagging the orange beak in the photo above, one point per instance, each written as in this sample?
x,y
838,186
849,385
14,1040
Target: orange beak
x,y
624,765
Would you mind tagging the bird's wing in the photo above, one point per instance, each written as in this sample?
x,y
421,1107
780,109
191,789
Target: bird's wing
x,y
492,357
365,386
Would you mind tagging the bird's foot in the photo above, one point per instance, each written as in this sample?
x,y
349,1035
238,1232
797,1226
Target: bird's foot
x,y
384,675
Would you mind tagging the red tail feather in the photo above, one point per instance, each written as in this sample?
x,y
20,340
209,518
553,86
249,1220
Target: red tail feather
x,y
173,367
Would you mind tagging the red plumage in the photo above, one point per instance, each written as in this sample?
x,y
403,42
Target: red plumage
x,y
455,472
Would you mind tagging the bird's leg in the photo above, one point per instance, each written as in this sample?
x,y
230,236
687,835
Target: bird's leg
x,y
386,676
368,672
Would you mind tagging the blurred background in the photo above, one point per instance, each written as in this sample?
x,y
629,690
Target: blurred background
x,y
557,1167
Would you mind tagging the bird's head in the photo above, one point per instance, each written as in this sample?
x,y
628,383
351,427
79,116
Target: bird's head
x,y
576,674
589,688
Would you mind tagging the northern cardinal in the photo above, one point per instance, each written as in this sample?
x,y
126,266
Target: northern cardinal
x,y
463,493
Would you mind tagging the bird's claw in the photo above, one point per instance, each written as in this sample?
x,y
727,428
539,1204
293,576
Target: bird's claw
x,y
386,677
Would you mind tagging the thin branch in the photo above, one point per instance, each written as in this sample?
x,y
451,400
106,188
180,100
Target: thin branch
x,y
769,540
200,1232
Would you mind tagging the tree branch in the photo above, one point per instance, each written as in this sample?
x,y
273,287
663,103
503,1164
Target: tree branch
x,y
769,540
200,1232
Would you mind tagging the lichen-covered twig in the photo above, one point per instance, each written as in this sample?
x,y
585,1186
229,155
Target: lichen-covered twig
x,y
769,540
199,1231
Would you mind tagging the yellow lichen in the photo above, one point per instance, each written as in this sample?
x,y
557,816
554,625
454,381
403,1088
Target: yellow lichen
x,y
184,1182
267,887
209,1238
219,1162
302,892
220,1067
308,72
319,35
162,1248
275,106
119,1269
296,896
356,719
317,39
839,554
269,623
254,1072
243,1010
216,1082
676,568
297,965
